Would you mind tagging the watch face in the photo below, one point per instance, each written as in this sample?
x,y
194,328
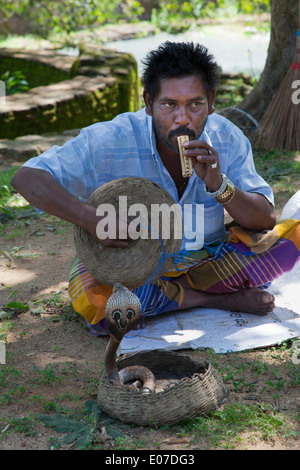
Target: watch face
x,y
227,188
229,183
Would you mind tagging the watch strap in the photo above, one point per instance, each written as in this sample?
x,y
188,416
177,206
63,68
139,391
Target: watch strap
x,y
229,191
221,189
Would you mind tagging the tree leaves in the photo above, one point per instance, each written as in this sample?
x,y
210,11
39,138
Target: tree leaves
x,y
15,82
70,15
11,309
83,431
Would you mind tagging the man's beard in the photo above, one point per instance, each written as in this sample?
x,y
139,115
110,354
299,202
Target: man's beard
x,y
181,130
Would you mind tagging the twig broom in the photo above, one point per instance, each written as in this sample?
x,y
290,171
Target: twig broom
x,y
280,125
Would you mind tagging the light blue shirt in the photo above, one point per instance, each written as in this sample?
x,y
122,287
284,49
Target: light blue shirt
x,y
126,147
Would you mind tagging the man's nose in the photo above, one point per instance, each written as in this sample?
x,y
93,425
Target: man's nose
x,y
181,116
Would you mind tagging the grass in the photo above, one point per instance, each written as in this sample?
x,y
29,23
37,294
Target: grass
x,y
225,428
275,165
6,189
281,170
12,205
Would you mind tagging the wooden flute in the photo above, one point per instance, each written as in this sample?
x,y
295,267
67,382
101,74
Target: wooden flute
x,y
186,163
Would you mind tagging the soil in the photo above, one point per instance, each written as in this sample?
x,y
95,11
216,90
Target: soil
x,y
53,361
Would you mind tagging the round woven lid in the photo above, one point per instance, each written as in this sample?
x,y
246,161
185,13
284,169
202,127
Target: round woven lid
x,y
145,259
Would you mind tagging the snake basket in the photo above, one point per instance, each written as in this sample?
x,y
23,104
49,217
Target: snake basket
x,y
184,389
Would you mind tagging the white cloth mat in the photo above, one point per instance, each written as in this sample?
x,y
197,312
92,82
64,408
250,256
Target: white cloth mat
x,y
220,330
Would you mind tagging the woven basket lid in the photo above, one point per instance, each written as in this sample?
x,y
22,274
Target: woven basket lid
x,y
144,259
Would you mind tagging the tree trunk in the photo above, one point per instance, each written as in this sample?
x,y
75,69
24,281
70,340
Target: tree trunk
x,y
282,49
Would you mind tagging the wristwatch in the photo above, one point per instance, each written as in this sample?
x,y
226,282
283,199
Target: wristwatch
x,y
226,189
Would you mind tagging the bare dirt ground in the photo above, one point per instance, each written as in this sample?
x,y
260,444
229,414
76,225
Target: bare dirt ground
x,y
53,362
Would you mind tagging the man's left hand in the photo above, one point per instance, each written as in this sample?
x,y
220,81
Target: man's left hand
x,y
205,162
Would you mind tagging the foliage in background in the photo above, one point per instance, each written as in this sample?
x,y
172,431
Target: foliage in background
x,y
70,15
186,13
67,16
255,6
6,188
10,202
15,82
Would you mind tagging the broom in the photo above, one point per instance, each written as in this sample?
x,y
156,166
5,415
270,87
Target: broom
x,y
280,125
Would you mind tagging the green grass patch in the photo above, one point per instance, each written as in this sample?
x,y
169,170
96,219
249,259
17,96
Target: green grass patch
x,y
12,204
225,428
10,385
281,170
6,188
276,165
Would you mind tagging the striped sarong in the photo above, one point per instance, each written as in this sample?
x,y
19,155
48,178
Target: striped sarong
x,y
244,259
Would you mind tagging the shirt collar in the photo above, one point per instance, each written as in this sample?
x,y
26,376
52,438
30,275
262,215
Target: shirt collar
x,y
152,137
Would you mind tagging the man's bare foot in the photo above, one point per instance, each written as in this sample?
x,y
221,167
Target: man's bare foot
x,y
248,300
251,300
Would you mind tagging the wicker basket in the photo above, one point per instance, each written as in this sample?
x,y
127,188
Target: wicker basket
x,y
185,389
145,259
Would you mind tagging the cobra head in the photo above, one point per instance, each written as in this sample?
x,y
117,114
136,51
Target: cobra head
x,y
122,312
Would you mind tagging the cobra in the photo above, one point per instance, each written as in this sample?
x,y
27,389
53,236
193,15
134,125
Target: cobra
x,y
122,313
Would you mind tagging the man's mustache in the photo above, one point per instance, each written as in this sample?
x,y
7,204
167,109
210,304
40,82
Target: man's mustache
x,y
182,131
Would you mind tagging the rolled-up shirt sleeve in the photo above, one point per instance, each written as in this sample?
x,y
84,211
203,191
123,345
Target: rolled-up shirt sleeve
x,y
244,175
71,165
236,160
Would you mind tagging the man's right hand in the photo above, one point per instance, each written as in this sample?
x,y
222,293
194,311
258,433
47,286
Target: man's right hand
x,y
112,231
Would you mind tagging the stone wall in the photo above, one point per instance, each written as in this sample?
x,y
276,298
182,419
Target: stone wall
x,y
40,68
94,87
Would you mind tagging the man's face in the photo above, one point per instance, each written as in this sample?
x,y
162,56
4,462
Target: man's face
x,y
180,108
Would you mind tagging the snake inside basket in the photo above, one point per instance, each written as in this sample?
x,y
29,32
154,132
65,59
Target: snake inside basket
x,y
140,388
153,387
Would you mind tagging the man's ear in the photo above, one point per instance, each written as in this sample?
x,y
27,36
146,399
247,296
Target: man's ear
x,y
147,101
211,108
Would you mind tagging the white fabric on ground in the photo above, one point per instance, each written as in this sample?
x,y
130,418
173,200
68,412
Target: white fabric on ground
x,y
220,330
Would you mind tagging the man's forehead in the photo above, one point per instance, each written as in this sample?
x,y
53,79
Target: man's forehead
x,y
191,85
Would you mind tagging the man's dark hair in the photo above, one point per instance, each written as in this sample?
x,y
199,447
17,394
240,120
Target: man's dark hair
x,y
178,60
